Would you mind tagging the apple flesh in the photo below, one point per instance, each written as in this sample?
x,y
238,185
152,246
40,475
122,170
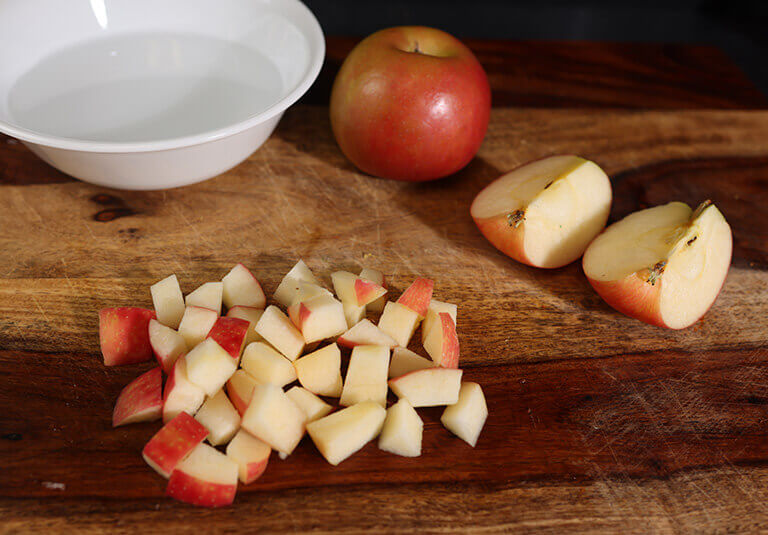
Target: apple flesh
x,y
181,395
410,103
545,212
399,322
433,316
281,333
431,387
172,443
306,291
207,295
250,454
467,416
240,390
376,276
365,333
345,432
251,315
418,295
354,314
209,366
266,365
442,342
240,287
141,400
313,407
219,417
355,290
366,376
168,301
196,323
230,334
319,318
274,418
207,478
406,361
124,335
167,344
320,371
289,286
663,265
402,430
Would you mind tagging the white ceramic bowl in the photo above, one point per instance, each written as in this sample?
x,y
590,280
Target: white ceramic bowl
x,y
151,94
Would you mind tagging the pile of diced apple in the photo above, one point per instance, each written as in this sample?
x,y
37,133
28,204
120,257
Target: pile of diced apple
x,y
230,377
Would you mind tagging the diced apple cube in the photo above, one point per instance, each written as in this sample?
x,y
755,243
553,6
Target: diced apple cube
x,y
313,407
277,329
428,388
124,335
241,288
141,400
376,276
345,432
399,322
196,324
354,290
251,455
251,315
320,371
319,318
442,342
180,394
467,416
173,443
168,301
274,418
418,295
206,477
365,333
402,430
406,361
207,295
288,287
209,366
366,376
230,334
433,316
219,417
353,314
306,291
266,365
240,390
167,344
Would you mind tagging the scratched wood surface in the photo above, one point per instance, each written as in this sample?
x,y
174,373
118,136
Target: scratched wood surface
x,y
597,422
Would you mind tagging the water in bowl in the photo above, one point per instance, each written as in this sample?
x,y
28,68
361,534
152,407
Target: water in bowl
x,y
144,87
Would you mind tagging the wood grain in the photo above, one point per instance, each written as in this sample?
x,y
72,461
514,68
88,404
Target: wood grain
x,y
582,74
598,422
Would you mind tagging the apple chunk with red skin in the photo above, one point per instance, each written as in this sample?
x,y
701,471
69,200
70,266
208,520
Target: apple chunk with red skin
x,y
250,454
418,295
355,290
141,400
663,265
206,477
240,390
173,443
241,288
251,315
230,334
374,275
124,335
167,345
180,395
410,103
545,212
442,342
319,318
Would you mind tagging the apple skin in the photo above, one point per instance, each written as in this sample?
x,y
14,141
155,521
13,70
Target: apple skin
x,y
410,103
633,297
509,240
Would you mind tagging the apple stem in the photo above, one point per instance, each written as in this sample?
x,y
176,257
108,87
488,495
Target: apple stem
x,y
516,218
703,206
655,272
416,47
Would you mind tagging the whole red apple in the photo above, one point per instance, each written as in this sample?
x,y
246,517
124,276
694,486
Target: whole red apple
x,y
410,103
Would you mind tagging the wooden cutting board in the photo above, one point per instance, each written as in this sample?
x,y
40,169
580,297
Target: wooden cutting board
x,y
597,422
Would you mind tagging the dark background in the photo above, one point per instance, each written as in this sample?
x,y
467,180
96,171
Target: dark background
x,y
738,27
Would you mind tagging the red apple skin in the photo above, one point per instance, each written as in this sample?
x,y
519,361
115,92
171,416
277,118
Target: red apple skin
x,y
418,295
256,470
633,297
189,489
141,400
505,237
124,335
230,333
173,442
450,342
410,115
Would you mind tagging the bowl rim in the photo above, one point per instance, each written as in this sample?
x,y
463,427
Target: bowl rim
x,y
316,45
